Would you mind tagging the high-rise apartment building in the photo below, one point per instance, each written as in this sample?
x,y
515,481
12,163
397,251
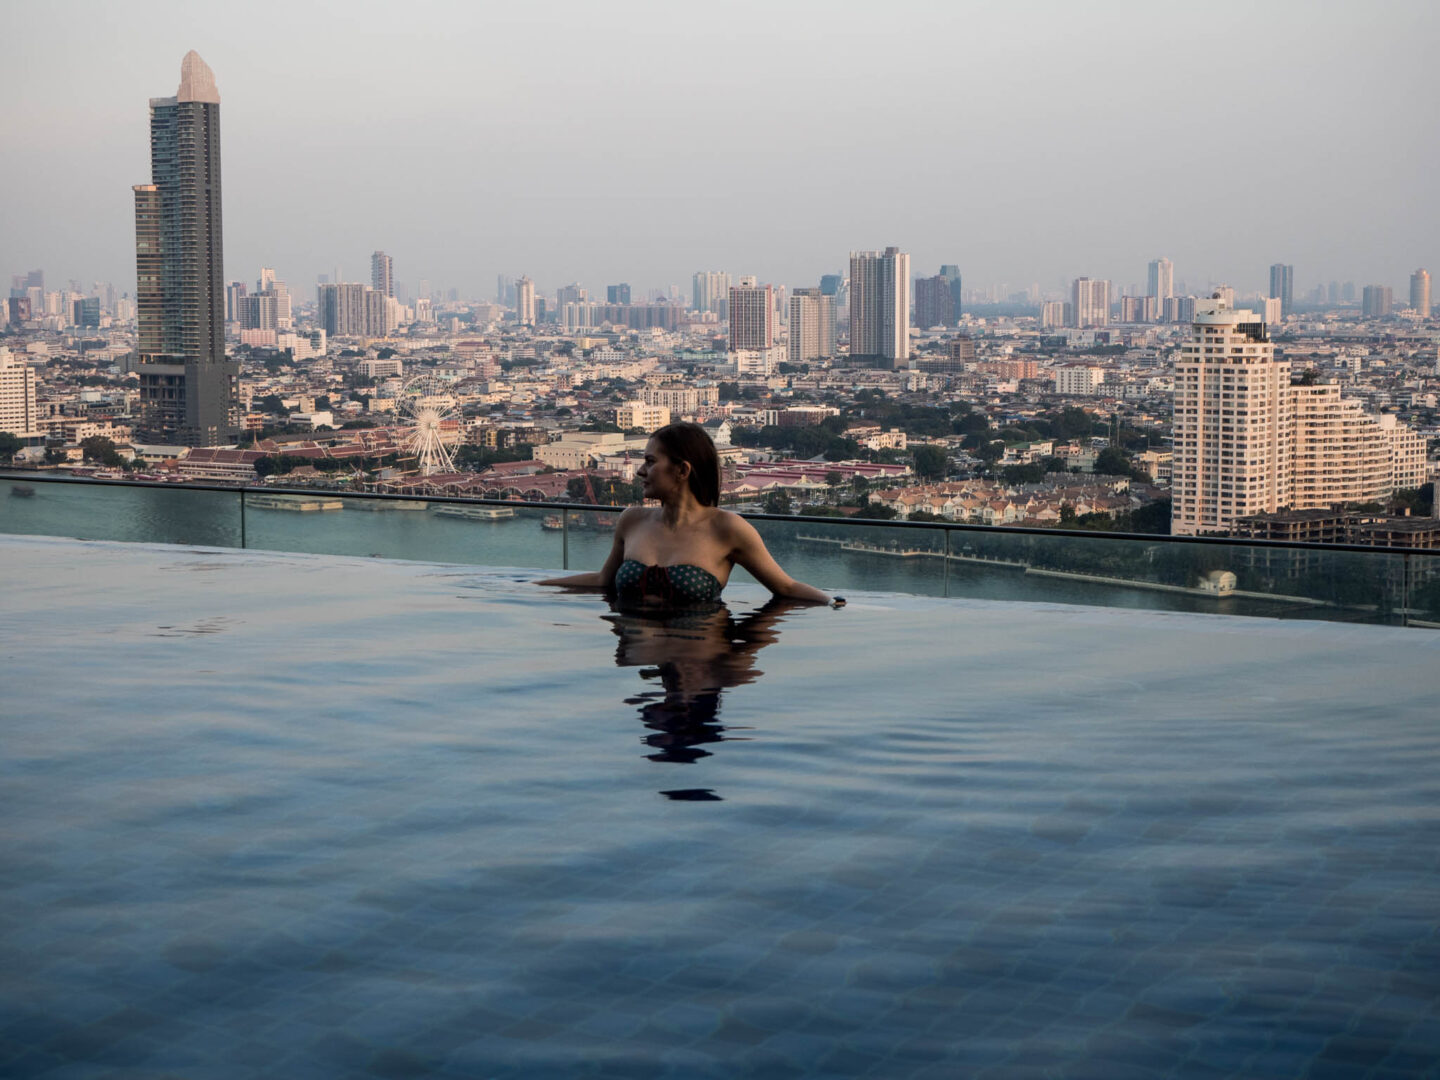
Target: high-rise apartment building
x,y
1232,422
349,309
1089,303
1248,441
571,294
880,307
525,301
812,326
1282,286
1137,309
18,414
1054,314
710,291
1162,281
257,311
189,391
1420,293
951,273
1377,301
752,316
382,274
617,294
934,302
233,292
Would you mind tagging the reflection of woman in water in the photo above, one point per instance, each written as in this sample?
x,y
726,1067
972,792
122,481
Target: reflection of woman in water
x,y
682,552
696,655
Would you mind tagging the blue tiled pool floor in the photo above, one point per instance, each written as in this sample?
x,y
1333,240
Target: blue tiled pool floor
x,y
292,816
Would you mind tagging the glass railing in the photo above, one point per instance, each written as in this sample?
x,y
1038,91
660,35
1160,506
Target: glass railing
x,y
1222,576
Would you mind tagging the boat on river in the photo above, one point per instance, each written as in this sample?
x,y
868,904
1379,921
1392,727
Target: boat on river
x,y
475,513
296,503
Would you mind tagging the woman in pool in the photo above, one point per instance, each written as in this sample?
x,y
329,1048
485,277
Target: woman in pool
x,y
683,551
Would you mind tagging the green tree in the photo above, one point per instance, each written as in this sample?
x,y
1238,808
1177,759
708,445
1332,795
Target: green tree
x,y
100,449
1033,473
1153,517
834,478
777,502
990,451
9,444
930,462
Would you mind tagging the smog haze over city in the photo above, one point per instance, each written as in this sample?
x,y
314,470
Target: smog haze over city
x,y
1029,142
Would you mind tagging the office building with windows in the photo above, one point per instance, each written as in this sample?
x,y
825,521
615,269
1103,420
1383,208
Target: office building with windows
x,y
1282,286
811,326
382,274
1420,293
880,307
1089,303
752,316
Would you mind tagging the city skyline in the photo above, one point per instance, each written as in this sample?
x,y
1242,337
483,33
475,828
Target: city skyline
x,y
528,187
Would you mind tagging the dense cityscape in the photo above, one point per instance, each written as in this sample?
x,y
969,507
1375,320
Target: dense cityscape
x,y
876,390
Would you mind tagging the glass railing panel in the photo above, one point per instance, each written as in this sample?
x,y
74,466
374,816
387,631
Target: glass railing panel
x,y
159,514
1174,575
329,523
1422,590
842,555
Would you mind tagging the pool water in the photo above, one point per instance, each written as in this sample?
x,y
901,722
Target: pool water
x,y
301,815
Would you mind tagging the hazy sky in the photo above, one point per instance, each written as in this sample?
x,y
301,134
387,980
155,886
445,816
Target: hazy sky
x,y
639,142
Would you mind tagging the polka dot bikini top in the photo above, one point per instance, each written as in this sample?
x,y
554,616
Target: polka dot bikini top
x,y
674,584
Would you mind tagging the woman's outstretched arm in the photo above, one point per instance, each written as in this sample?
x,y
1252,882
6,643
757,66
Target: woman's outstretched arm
x,y
750,552
604,578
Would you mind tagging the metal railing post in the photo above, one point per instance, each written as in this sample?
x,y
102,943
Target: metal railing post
x,y
945,560
1405,592
242,517
565,539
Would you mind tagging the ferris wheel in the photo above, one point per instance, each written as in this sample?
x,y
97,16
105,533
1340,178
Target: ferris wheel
x,y
424,404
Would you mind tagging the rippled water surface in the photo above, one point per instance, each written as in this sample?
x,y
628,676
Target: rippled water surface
x,y
296,815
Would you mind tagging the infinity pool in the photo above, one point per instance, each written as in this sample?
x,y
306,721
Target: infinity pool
x,y
294,816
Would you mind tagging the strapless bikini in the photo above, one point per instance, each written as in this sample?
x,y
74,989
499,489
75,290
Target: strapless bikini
x,y
684,584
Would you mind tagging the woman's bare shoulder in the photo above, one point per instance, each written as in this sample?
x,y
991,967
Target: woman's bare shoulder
x,y
732,525
633,515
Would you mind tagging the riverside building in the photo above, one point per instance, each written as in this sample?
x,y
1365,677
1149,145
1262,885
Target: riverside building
x,y
1248,441
189,391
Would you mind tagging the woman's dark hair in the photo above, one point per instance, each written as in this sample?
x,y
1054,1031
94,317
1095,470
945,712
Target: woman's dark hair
x,y
684,441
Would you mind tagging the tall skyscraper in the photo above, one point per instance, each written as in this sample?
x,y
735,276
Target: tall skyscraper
x,y
1377,301
880,307
752,316
382,274
1420,292
934,303
617,294
189,392
1282,286
1089,303
830,284
710,291
525,301
951,273
812,325
1162,281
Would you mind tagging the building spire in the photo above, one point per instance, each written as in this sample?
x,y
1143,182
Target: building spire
x,y
197,81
